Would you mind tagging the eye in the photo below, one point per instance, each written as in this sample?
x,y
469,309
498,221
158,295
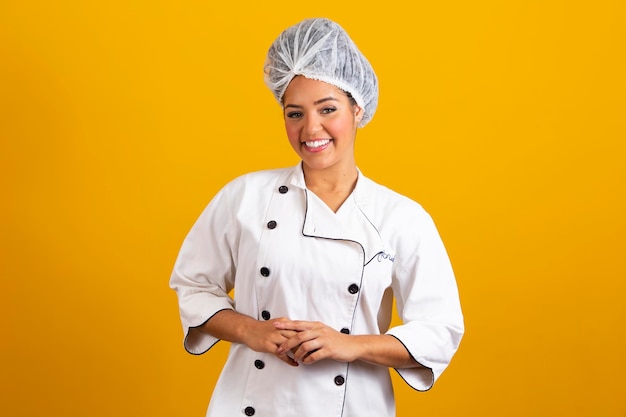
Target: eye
x,y
294,115
328,110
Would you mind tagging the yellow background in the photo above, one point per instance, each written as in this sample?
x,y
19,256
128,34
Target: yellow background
x,y
120,119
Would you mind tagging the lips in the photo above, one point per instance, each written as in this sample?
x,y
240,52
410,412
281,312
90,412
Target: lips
x,y
316,145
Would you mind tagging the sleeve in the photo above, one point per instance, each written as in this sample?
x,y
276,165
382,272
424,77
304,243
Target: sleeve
x,y
428,304
204,272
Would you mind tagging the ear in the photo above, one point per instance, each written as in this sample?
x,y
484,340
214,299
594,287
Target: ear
x,y
358,113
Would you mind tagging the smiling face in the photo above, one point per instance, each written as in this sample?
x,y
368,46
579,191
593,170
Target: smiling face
x,y
321,122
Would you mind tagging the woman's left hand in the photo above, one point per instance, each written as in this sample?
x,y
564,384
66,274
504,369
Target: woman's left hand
x,y
314,341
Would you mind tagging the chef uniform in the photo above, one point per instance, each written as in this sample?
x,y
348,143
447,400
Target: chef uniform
x,y
287,254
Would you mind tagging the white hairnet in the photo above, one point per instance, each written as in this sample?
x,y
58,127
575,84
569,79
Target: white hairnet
x,y
321,50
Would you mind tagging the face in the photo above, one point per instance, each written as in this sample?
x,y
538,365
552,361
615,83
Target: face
x,y
321,123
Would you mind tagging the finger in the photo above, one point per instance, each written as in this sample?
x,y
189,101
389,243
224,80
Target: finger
x,y
296,340
312,356
306,349
288,334
286,347
294,325
287,359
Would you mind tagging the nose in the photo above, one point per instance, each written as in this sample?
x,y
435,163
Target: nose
x,y
312,124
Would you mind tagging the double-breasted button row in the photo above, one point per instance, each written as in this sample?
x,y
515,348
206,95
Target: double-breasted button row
x,y
272,223
265,272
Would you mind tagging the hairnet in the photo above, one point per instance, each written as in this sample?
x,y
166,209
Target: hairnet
x,y
321,50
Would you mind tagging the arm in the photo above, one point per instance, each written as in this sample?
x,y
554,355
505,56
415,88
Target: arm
x,y
427,302
384,350
202,282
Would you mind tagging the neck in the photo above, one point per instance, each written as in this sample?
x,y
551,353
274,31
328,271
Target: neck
x,y
332,179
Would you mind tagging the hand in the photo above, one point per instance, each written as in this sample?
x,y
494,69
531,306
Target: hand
x,y
264,336
260,336
314,341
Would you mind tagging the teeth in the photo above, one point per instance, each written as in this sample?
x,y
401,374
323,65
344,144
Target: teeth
x,y
317,143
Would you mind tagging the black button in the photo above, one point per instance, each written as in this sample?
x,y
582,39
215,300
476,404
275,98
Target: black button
x,y
265,314
266,272
249,411
259,364
283,189
271,224
345,330
339,380
353,289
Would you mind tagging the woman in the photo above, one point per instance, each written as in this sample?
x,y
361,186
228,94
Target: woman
x,y
315,255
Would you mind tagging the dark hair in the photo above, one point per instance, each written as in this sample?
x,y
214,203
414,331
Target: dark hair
x,y
352,100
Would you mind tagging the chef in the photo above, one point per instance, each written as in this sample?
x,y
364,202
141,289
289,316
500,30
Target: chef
x,y
298,267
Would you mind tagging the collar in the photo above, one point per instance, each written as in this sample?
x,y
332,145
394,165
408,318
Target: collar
x,y
352,222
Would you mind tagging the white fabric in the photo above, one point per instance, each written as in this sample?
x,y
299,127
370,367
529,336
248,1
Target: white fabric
x,y
378,240
321,50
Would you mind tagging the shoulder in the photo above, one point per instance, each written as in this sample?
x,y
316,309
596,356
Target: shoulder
x,y
259,177
255,181
389,201
253,189
401,221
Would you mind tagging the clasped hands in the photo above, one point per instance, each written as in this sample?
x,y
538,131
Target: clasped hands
x,y
298,341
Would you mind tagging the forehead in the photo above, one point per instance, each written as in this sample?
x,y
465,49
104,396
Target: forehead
x,y
302,90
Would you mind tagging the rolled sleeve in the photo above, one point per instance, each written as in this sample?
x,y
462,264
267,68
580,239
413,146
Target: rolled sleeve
x,y
203,273
428,304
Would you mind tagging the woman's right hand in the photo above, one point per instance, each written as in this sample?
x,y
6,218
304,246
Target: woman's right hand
x,y
260,336
263,336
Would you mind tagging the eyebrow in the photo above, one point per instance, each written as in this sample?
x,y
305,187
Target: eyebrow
x,y
320,101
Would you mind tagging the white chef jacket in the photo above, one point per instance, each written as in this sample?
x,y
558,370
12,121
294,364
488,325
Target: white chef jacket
x,y
287,254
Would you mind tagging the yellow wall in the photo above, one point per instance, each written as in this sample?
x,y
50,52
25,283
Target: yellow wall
x,y
120,119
